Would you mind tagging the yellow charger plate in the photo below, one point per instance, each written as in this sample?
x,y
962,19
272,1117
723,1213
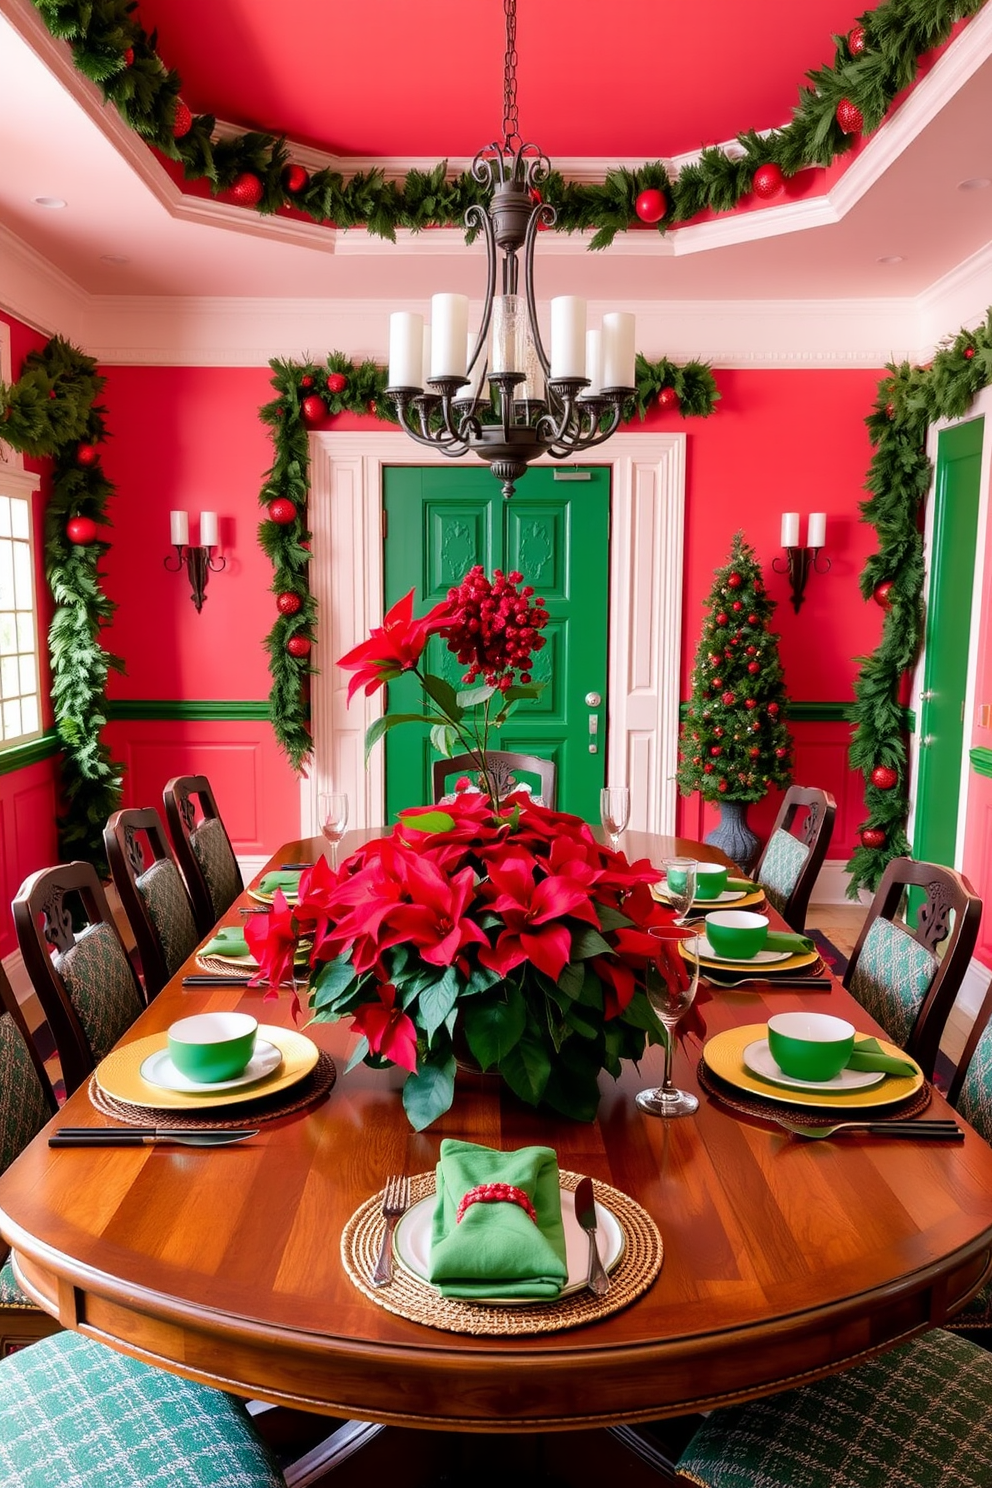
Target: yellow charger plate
x,y
263,898
724,1055
119,1074
757,968
747,902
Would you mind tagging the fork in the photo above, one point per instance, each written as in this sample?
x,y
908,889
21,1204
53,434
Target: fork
x,y
938,1130
810,983
395,1201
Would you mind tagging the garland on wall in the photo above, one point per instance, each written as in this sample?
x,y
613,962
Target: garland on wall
x,y
51,411
307,394
874,63
899,477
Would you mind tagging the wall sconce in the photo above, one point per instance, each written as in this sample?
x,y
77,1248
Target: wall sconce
x,y
799,561
198,561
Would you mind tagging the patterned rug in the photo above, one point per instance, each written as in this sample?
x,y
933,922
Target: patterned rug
x,y
834,958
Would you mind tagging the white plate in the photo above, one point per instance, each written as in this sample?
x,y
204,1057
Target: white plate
x,y
701,947
158,1069
412,1246
758,1059
727,897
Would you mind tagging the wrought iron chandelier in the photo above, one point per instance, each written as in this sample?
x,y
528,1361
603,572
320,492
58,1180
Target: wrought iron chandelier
x,y
532,405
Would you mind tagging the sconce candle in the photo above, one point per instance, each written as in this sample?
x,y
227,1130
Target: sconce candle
x,y
179,524
817,532
197,561
208,529
801,561
790,529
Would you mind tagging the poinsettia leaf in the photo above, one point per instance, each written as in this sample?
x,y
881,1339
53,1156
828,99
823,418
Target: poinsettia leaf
x,y
493,1027
572,978
640,1013
588,942
429,1093
428,821
572,1086
526,1068
444,695
332,984
382,725
587,1028
611,918
360,1052
437,1001
481,978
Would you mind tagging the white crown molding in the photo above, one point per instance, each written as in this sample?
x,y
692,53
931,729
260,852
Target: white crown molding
x,y
960,298
39,294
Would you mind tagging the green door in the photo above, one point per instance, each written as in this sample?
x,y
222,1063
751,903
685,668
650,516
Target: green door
x,y
439,522
948,631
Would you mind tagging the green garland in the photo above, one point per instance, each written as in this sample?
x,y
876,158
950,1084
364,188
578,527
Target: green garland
x,y
110,47
908,401
341,387
51,411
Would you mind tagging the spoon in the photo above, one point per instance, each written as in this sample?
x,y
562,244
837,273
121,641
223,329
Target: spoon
x,y
937,1130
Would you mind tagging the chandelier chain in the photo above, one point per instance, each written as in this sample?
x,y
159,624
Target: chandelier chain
x,y
511,129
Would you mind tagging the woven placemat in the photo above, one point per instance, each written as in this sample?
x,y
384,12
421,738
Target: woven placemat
x,y
771,1110
418,1301
314,1088
217,966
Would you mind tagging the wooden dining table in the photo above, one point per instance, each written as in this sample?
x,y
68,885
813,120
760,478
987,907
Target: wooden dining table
x,y
783,1259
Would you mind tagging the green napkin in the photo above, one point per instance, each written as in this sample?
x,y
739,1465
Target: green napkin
x,y
784,940
229,940
288,882
497,1250
869,1055
741,883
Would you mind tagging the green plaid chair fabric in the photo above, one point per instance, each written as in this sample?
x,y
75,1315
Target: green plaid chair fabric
x,y
784,859
218,864
100,982
74,1414
918,1417
170,911
24,1110
892,977
974,1101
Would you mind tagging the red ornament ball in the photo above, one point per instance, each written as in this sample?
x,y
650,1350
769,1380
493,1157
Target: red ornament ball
x,y
881,594
884,777
373,406
773,708
751,703
717,682
722,618
754,751
246,190
754,667
129,57
856,40
767,181
282,511
968,353
781,753
336,382
87,454
668,398
294,178
707,768
288,604
728,699
737,605
81,530
298,645
751,651
849,117
306,380
890,410
651,205
716,750
752,619
872,837
721,785
314,409
735,581
182,121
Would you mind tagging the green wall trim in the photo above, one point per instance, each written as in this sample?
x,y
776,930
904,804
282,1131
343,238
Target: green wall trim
x,y
981,761
817,712
186,709
18,756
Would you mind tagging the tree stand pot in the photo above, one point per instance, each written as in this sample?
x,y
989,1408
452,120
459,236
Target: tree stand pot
x,y
733,836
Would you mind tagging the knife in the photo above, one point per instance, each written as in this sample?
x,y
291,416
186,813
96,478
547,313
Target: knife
x,y
585,1212
216,981
144,1136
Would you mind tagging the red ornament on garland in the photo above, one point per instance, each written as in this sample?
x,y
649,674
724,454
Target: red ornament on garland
x,y
767,181
890,410
282,511
722,785
246,190
752,619
87,454
722,619
781,753
288,604
856,40
314,409
737,606
751,703
336,382
182,121
881,594
872,837
728,699
129,57
968,353
849,117
773,708
294,178
298,645
754,667
651,205
735,581
81,530
884,777
306,380
668,398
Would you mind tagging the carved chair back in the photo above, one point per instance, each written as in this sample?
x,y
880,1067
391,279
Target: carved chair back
x,y
202,847
506,769
795,850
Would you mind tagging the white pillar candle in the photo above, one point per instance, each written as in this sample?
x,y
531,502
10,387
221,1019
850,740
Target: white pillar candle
x,y
568,336
449,332
594,363
506,353
406,350
790,529
816,536
179,526
618,349
475,374
208,529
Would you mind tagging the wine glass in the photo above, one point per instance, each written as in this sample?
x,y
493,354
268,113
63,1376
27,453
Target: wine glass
x,y
670,983
680,886
614,811
332,813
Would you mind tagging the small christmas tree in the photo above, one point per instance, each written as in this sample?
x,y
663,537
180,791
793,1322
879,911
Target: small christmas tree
x,y
734,743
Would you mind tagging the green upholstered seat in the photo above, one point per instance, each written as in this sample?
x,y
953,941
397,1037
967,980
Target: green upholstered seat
x,y
170,911
25,1106
784,860
100,982
218,864
892,977
918,1417
974,1101
74,1414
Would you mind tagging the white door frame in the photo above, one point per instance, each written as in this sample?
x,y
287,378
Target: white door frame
x,y
647,506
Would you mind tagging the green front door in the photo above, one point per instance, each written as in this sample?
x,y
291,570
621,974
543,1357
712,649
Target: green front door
x,y
442,520
948,633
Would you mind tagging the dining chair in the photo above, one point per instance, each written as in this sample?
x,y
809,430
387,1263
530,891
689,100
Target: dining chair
x,y
202,847
152,892
73,1411
919,1416
506,769
895,971
26,1103
795,850
85,982
970,1091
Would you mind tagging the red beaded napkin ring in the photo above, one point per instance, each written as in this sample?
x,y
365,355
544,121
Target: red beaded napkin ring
x,y
495,1193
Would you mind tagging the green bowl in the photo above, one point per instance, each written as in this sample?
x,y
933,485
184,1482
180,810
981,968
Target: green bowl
x,y
736,933
711,880
212,1046
810,1046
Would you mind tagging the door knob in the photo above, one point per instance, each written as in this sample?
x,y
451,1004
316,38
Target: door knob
x,y
927,740
931,692
593,700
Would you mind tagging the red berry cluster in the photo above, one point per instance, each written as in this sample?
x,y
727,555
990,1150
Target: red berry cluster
x,y
495,1193
495,627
